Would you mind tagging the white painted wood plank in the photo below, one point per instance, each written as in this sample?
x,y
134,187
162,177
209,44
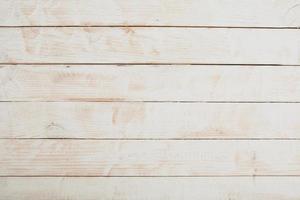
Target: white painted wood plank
x,y
209,188
266,13
148,120
149,45
149,83
148,158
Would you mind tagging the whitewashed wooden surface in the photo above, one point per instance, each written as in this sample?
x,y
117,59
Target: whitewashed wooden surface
x,y
159,188
154,99
244,13
148,158
149,45
149,120
150,83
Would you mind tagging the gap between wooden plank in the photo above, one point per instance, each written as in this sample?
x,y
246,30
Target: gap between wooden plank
x,y
119,101
177,176
163,64
146,139
152,26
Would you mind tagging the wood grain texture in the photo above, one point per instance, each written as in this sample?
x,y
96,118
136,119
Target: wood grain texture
x,y
149,45
139,188
266,13
149,100
149,120
148,83
148,158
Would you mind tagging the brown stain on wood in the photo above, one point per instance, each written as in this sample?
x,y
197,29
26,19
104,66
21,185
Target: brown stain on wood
x,y
128,114
250,160
29,36
85,79
208,132
115,114
130,43
136,83
29,10
30,33
216,78
136,86
66,76
133,41
128,30
135,114
155,52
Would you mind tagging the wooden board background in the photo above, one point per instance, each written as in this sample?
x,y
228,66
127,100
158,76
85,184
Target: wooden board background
x,y
154,99
149,45
228,13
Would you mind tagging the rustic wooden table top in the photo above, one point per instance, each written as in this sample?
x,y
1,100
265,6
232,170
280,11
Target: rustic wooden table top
x,y
149,99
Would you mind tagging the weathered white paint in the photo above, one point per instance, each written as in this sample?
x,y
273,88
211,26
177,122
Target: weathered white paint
x,y
148,158
140,188
149,83
149,45
261,13
148,120
208,43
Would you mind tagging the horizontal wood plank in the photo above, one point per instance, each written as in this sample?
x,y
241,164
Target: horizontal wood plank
x,y
209,188
149,45
148,158
131,120
149,83
253,13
